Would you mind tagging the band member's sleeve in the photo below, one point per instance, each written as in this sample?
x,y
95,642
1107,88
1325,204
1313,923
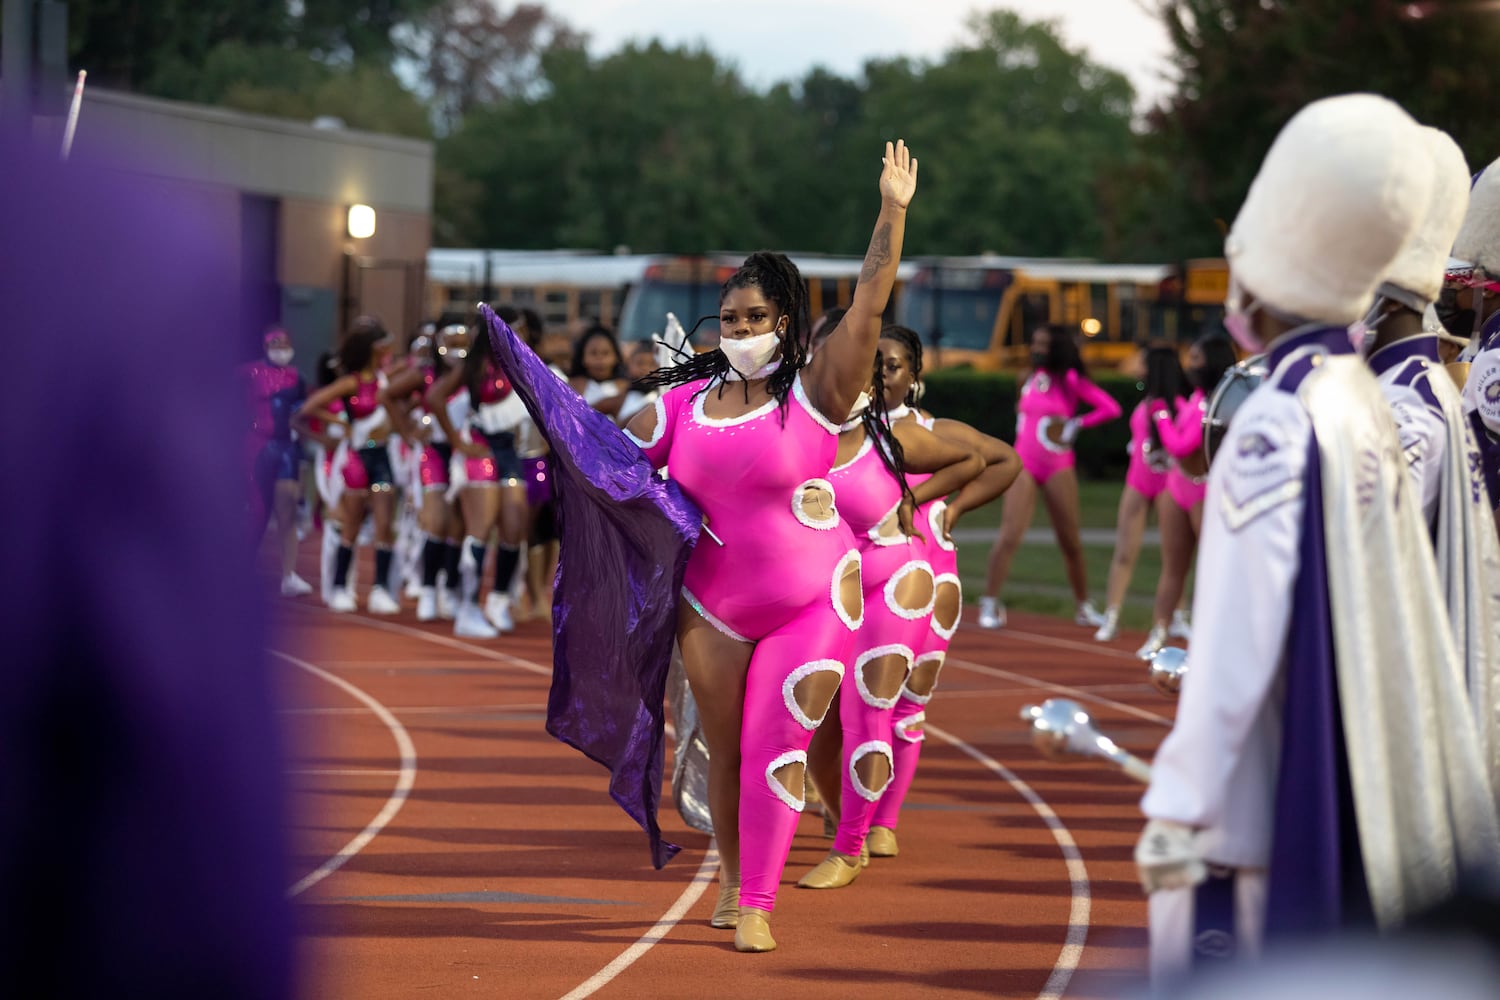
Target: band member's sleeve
x,y
1104,406
1247,563
1423,440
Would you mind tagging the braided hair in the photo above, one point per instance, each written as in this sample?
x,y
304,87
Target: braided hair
x,y
875,421
908,339
780,281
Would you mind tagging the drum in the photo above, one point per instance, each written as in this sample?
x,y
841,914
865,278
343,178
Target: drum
x,y
1229,395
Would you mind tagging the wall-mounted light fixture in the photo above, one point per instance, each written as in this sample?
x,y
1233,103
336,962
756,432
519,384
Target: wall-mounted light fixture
x,y
361,221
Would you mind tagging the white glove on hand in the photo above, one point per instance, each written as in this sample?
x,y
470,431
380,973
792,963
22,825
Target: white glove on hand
x,y
1167,857
1070,431
669,347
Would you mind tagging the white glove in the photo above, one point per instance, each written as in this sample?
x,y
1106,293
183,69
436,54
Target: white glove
x,y
1166,857
669,347
1070,431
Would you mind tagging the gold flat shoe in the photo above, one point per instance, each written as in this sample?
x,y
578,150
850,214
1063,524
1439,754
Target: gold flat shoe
x,y
833,872
881,842
754,932
727,911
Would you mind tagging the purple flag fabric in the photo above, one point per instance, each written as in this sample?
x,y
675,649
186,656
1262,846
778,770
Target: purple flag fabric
x,y
626,536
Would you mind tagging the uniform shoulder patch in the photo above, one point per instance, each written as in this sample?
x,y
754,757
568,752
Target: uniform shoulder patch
x,y
1482,390
1264,459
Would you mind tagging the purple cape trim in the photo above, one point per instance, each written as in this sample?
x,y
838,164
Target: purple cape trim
x,y
626,536
1316,882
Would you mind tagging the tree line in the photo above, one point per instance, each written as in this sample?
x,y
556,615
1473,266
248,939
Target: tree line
x,y
1029,147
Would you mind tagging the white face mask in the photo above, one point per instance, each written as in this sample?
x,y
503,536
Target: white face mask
x,y
279,356
748,355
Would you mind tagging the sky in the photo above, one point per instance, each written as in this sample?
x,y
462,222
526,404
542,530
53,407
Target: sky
x,y
774,40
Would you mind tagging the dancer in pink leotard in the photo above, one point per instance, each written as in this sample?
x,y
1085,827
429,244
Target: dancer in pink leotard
x,y
1145,480
1180,428
369,481
899,592
1046,425
901,350
772,592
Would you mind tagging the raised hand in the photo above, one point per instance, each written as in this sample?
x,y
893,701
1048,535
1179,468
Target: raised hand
x,y
898,174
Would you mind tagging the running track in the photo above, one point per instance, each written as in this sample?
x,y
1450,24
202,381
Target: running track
x,y
447,846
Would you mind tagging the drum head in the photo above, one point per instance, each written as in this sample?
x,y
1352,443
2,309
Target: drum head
x,y
1230,394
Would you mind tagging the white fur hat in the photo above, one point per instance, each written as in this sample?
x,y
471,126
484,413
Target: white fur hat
x,y
1337,197
1478,241
1420,266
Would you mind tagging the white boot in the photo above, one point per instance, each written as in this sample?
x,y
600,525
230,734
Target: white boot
x,y
427,604
497,610
293,585
342,601
1111,626
1180,628
1088,615
1155,641
380,602
470,624
328,559
991,613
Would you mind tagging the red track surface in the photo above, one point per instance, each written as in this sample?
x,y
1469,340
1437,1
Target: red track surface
x,y
508,872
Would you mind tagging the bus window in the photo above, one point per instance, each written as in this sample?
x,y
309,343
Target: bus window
x,y
1035,310
1125,295
646,307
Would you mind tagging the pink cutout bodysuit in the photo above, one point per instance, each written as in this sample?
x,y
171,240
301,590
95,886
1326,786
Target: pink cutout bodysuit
x,y
911,708
1048,397
768,574
1149,461
1182,435
870,499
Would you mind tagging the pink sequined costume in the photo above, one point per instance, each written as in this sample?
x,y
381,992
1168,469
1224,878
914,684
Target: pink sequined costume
x,y
780,570
1047,398
1182,435
1149,461
899,591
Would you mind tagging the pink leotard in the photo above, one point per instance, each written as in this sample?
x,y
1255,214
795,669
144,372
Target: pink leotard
x,y
910,710
899,591
1182,435
769,574
496,415
362,407
1149,461
1047,397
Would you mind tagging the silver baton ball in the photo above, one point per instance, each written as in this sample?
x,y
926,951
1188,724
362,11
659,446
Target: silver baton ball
x,y
1168,666
1062,730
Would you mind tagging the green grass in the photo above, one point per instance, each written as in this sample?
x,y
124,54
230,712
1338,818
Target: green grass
x,y
1038,582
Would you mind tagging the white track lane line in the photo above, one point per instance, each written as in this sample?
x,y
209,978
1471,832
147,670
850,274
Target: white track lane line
x,y
406,777
1080,693
694,891
685,900
1078,876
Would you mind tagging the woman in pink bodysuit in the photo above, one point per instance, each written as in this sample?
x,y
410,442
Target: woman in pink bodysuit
x,y
772,595
1180,428
1046,424
1145,480
899,592
901,350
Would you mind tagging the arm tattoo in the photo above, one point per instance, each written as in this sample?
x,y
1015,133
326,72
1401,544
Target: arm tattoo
x,y
879,254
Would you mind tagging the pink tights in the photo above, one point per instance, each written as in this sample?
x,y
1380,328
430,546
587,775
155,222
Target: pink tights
x,y
786,696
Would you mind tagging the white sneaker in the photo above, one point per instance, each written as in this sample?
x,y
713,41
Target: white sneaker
x,y
1155,641
380,602
427,604
447,603
413,588
293,585
991,613
497,610
470,624
342,601
1088,615
1111,626
1180,628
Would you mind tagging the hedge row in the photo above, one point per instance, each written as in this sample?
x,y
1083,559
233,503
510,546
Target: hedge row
x,y
987,401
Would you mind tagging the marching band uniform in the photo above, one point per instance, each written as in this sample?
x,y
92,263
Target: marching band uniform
x,y
1440,447
1323,763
